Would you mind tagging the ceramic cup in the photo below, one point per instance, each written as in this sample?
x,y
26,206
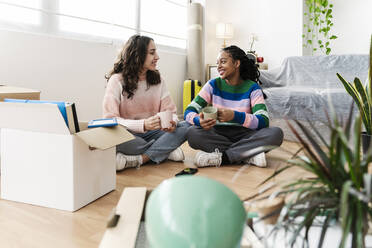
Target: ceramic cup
x,y
165,119
210,112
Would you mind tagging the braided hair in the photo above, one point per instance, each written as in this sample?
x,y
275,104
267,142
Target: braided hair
x,y
130,62
248,68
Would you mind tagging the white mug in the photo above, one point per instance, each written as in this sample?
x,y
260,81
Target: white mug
x,y
165,119
210,112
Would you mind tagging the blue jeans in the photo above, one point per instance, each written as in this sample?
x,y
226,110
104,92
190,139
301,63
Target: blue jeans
x,y
156,144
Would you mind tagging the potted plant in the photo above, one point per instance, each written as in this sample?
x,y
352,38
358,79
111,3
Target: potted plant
x,y
339,188
362,96
317,26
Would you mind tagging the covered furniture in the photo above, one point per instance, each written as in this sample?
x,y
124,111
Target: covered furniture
x,y
303,87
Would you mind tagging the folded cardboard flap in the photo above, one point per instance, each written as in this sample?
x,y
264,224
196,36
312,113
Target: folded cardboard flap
x,y
105,137
32,117
18,93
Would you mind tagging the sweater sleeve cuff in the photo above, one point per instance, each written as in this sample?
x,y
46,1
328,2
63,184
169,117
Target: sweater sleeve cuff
x,y
196,120
175,118
239,117
137,126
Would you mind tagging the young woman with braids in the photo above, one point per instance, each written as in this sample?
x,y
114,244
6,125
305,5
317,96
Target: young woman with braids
x,y
135,93
243,121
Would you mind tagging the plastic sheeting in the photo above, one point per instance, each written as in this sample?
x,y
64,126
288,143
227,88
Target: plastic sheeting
x,y
303,88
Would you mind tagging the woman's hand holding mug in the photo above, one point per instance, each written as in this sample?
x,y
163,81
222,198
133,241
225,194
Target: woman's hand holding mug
x,y
152,123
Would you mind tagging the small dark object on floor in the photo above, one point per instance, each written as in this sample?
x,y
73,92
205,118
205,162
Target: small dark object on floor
x,y
113,219
187,171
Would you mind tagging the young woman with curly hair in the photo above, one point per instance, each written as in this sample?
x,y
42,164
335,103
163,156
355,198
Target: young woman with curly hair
x,y
243,122
135,94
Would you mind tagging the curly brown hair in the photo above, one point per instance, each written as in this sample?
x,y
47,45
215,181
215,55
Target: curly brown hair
x,y
130,62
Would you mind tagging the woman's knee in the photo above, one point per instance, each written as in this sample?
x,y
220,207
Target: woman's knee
x,y
136,146
193,136
182,128
277,135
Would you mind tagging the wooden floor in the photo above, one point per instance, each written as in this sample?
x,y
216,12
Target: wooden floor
x,y
23,225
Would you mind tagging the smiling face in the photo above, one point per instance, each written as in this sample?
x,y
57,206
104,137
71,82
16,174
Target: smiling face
x,y
152,57
226,66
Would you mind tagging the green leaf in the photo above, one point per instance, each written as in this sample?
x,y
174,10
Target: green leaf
x,y
344,203
328,51
277,172
370,70
359,102
365,104
328,13
317,133
324,230
346,231
324,160
355,169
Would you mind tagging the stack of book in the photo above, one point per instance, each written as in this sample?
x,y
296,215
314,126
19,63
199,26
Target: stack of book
x,y
67,110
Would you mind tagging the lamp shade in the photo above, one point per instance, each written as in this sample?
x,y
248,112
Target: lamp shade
x,y
224,31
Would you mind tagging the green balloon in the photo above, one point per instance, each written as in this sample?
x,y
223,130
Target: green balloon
x,y
192,211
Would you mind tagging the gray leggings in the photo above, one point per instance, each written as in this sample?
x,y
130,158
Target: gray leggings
x,y
235,141
156,144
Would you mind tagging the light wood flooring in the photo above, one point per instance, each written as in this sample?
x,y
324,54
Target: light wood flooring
x,y
23,225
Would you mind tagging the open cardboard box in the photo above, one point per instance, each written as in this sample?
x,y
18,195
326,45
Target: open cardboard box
x,y
43,164
18,93
131,208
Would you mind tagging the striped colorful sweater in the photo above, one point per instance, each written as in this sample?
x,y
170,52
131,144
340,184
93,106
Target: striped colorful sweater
x,y
246,99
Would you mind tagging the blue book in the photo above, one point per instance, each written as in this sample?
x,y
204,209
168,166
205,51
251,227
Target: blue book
x,y
61,105
106,122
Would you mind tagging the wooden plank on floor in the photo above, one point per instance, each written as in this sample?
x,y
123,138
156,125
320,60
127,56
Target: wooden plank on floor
x,y
130,208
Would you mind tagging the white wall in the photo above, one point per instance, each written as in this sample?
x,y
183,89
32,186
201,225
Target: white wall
x,y
73,70
278,25
353,26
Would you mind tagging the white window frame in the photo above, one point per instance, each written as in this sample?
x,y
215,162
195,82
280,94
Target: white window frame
x,y
49,25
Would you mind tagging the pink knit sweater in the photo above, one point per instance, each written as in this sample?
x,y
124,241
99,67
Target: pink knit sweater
x,y
145,103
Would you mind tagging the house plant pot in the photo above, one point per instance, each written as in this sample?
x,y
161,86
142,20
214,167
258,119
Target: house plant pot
x,y
362,96
366,141
340,188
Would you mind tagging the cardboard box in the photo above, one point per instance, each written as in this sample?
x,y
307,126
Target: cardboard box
x,y
18,93
130,208
43,164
